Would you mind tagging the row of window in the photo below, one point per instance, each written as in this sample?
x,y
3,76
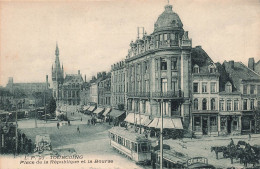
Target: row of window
x,y
71,93
204,87
161,64
229,105
211,68
251,89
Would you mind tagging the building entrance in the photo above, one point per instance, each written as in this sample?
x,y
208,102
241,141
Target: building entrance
x,y
229,124
205,125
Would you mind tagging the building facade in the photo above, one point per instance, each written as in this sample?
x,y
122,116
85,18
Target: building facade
x,y
118,89
158,70
205,92
71,88
104,91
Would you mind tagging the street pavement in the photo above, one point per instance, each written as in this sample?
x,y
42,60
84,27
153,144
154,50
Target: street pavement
x,y
93,142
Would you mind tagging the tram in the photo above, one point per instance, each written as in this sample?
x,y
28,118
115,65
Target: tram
x,y
135,146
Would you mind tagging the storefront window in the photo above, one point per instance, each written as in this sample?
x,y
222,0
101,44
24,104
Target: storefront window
x,y
235,125
223,123
197,123
213,123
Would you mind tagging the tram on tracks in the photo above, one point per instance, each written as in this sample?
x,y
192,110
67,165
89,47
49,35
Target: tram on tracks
x,y
135,146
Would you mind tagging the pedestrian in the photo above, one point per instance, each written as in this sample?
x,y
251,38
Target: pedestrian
x,y
78,129
69,122
58,125
81,119
249,137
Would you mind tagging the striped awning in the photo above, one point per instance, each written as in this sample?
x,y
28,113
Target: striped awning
x,y
98,110
108,109
85,108
116,113
170,123
91,108
138,119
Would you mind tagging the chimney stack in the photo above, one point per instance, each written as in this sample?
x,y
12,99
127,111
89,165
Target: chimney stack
x,y
231,63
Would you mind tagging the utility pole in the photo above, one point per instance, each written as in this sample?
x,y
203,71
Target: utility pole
x,y
161,138
16,131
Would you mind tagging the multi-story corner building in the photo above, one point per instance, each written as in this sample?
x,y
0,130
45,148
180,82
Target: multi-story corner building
x,y
247,82
118,89
104,91
71,88
205,92
158,71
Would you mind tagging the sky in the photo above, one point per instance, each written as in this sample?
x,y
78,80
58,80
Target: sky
x,y
93,35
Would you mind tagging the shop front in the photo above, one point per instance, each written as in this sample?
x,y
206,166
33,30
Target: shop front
x,y
248,122
230,123
205,124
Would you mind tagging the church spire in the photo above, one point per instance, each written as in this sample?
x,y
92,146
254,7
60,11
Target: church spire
x,y
57,50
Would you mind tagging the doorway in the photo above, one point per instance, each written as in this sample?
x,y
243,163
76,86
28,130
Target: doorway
x,y
205,125
229,124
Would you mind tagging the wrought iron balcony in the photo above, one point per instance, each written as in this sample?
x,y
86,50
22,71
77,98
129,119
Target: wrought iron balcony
x,y
138,94
168,95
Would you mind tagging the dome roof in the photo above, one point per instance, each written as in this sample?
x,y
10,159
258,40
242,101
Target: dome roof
x,y
168,20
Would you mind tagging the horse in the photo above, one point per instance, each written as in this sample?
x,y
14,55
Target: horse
x,y
219,149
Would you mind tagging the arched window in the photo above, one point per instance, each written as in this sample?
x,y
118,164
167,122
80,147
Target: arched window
x,y
196,105
213,104
204,104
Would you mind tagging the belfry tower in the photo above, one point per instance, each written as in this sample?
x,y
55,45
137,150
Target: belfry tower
x,y
57,76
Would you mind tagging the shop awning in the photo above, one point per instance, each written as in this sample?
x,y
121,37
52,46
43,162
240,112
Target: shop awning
x,y
170,123
98,110
135,118
230,113
107,111
91,108
85,108
116,113
130,118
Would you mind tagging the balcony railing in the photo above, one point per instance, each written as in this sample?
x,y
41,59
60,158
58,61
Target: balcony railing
x,y
169,94
138,94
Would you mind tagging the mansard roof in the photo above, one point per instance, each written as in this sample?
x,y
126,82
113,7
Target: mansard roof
x,y
73,78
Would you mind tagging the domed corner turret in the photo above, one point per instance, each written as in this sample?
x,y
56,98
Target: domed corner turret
x,y
168,20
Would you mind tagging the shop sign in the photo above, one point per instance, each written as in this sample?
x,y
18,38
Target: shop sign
x,y
201,160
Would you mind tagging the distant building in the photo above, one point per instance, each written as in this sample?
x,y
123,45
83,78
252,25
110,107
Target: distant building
x,y
104,91
118,89
27,88
57,76
66,91
71,88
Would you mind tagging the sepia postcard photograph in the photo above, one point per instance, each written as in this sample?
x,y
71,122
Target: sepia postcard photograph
x,y
129,84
